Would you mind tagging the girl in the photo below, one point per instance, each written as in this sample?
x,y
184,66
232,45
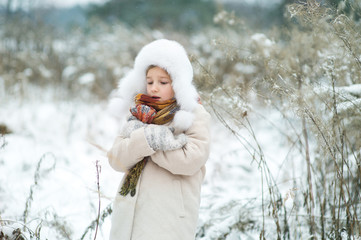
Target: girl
x,y
162,147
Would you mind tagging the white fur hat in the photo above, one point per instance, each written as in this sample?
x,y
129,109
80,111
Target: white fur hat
x,y
172,57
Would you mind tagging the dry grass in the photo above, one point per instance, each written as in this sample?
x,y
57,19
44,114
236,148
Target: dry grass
x,y
305,71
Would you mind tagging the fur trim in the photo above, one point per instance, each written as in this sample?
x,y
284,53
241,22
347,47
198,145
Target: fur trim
x,y
170,56
183,120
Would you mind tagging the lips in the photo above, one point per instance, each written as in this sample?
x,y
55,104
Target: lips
x,y
155,97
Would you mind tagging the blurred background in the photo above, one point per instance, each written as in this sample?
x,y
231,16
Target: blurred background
x,y
281,78
98,40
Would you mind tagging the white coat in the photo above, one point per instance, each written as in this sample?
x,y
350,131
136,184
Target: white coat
x,y
167,198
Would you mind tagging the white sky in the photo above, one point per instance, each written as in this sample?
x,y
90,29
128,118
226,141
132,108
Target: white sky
x,y
58,3
68,3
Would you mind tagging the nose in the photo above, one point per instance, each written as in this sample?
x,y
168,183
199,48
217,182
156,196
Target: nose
x,y
154,87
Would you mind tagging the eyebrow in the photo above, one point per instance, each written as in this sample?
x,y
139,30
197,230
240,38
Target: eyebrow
x,y
162,77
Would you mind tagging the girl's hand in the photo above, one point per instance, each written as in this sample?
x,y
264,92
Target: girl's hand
x,y
161,138
131,125
144,113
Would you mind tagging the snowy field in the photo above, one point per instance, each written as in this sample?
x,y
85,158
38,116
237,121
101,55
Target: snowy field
x,y
290,169
63,134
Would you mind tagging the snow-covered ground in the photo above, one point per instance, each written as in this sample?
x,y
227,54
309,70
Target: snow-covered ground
x,y
63,134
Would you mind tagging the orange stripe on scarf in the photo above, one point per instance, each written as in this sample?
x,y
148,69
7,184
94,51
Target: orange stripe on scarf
x,y
165,109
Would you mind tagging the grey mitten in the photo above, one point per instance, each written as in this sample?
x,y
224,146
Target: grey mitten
x,y
161,137
131,125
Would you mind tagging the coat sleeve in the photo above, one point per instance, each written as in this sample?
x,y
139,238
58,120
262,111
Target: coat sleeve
x,y
126,152
193,156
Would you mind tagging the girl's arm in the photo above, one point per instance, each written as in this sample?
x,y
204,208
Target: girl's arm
x,y
126,152
192,157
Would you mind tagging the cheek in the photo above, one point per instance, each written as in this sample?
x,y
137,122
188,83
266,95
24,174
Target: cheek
x,y
171,92
148,89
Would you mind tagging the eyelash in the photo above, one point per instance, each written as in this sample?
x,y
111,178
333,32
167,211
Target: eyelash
x,y
163,83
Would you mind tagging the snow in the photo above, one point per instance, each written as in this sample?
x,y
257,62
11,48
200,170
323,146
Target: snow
x,y
262,39
65,133
45,72
349,106
69,71
87,78
354,89
245,68
262,42
59,132
348,97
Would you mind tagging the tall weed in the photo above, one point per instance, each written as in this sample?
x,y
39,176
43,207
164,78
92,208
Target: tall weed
x,y
310,73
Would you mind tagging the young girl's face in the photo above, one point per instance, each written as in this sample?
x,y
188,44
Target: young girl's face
x,y
159,84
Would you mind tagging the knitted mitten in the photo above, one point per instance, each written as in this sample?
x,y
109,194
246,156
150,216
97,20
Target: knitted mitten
x,y
161,138
144,113
131,125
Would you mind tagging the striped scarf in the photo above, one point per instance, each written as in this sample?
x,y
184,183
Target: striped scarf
x,y
159,112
